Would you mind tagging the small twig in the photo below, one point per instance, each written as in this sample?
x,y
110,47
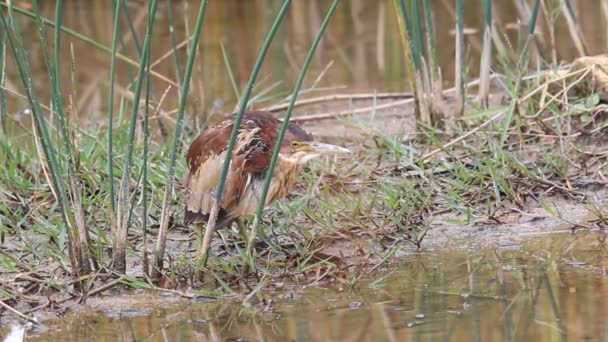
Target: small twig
x,y
323,116
170,52
339,97
552,80
320,76
102,288
333,115
18,313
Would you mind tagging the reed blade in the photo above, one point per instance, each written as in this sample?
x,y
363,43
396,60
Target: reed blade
x,y
173,35
486,54
201,256
56,170
175,150
459,62
115,33
292,101
3,110
124,209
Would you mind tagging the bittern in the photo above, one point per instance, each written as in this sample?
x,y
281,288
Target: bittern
x,y
257,137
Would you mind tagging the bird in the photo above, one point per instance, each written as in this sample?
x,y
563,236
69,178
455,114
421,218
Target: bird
x,y
251,157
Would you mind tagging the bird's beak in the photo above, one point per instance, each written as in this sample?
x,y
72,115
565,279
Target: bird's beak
x,y
322,148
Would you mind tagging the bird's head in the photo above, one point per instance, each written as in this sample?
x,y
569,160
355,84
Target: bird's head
x,y
303,151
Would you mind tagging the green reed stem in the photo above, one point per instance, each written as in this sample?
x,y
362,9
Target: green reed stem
x,y
3,112
55,169
144,188
202,257
430,38
175,150
235,88
73,201
292,101
531,28
533,17
115,32
410,33
132,29
522,63
137,93
459,60
171,18
122,228
245,98
486,54
53,75
417,30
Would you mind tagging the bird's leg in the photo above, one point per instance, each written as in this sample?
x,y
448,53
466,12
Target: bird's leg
x,y
242,230
203,248
198,231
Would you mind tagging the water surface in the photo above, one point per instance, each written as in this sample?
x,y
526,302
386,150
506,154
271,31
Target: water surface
x,y
550,288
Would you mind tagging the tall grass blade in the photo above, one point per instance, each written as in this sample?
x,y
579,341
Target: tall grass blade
x,y
414,31
173,35
399,7
417,31
144,171
115,32
533,18
164,221
65,148
3,110
435,84
121,228
486,54
201,256
430,40
53,73
292,101
15,41
415,53
235,87
523,64
459,62
132,29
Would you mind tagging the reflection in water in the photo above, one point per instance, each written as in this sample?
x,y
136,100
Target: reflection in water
x,y
549,289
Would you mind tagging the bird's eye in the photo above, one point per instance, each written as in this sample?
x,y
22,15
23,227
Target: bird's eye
x,y
295,144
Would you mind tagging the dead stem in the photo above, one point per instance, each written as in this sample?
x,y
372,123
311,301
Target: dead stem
x,y
339,97
18,313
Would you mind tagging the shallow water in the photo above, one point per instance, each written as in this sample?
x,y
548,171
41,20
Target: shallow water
x,y
549,288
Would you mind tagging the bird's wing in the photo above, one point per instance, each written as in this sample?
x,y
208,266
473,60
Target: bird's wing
x,y
205,158
251,157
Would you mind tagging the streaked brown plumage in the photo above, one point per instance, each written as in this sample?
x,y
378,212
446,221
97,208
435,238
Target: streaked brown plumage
x,y
250,160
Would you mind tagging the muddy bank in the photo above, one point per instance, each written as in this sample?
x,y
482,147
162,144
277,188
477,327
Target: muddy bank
x,y
548,276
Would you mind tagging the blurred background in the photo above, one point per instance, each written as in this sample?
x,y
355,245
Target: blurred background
x,y
361,51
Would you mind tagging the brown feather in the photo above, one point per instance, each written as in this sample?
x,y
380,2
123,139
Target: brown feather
x,y
251,157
